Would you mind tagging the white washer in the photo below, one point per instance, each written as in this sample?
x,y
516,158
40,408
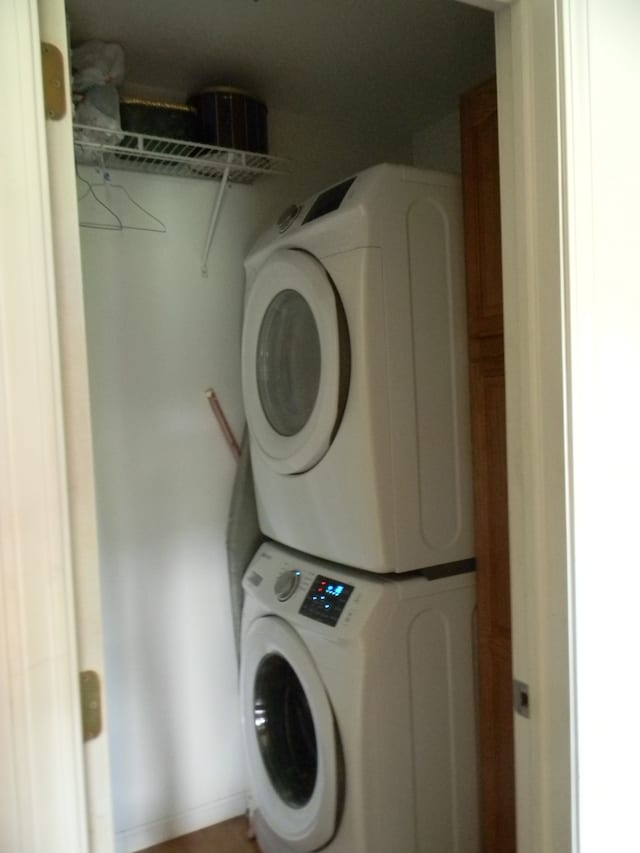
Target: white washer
x,y
357,698
354,372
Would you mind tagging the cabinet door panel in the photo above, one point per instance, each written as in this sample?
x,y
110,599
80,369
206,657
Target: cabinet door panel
x,y
494,611
481,190
481,186
497,805
490,495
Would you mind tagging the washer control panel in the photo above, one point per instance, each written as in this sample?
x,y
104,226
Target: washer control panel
x,y
329,599
326,599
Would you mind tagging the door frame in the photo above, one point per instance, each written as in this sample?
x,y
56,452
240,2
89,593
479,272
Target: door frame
x,y
533,212
43,770
51,620
532,121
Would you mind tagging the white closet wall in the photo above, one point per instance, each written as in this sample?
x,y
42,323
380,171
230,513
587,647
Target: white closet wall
x,y
438,146
159,335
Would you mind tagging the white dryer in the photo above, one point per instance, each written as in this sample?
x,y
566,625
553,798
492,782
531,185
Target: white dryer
x,y
357,698
354,372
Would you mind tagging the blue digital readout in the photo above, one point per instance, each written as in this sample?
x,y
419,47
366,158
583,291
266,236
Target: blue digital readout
x,y
326,599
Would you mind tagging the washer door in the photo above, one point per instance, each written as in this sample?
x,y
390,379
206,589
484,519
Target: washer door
x,y
290,736
295,361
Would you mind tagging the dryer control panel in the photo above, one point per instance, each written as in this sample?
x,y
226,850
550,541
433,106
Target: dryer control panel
x,y
326,600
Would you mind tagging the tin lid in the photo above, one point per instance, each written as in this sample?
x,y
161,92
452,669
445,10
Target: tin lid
x,y
164,104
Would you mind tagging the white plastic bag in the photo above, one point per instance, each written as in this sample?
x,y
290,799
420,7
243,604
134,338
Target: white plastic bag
x,y
96,63
99,107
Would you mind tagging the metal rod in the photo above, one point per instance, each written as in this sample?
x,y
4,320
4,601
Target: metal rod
x,y
214,219
218,411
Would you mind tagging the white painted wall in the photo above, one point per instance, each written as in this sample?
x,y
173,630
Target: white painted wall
x,y
602,73
159,335
322,154
438,145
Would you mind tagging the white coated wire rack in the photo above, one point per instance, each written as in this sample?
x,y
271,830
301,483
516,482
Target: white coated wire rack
x,y
139,152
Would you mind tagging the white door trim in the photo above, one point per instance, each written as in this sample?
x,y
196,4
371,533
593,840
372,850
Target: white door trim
x,y
41,772
78,438
531,135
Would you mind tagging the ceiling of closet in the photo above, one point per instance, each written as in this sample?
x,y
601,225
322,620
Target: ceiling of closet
x,y
380,62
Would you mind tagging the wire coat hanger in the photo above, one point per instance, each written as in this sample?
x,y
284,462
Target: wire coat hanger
x,y
117,223
102,226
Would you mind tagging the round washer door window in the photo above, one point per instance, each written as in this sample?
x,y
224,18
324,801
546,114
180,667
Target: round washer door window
x,y
284,728
290,737
295,361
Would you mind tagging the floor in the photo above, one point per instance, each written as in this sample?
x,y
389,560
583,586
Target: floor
x,y
228,837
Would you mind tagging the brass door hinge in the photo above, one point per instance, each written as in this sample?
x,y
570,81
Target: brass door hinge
x,y
91,702
55,104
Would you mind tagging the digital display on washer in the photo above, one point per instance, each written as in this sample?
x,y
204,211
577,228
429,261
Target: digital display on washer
x,y
326,600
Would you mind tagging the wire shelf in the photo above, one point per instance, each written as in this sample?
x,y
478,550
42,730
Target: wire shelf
x,y
139,152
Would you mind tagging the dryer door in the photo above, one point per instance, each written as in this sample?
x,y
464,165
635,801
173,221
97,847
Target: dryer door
x,y
295,361
290,736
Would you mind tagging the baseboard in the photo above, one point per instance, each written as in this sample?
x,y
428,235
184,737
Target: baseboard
x,y
141,837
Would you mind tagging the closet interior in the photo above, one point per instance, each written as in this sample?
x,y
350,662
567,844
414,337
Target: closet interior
x,y
165,226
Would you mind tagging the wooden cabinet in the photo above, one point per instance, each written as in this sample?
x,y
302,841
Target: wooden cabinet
x,y
481,186
481,191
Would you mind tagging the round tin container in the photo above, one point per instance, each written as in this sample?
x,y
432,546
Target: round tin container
x,y
231,118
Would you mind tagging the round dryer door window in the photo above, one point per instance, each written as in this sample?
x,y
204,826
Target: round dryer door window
x,y
295,361
290,736
288,363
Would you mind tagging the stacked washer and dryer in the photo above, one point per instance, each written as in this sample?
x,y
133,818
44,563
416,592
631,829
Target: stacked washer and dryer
x,y
357,672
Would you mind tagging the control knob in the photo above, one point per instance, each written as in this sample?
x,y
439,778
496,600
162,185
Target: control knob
x,y
287,217
287,584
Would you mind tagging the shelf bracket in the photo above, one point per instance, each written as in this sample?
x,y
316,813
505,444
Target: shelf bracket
x,y
214,217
